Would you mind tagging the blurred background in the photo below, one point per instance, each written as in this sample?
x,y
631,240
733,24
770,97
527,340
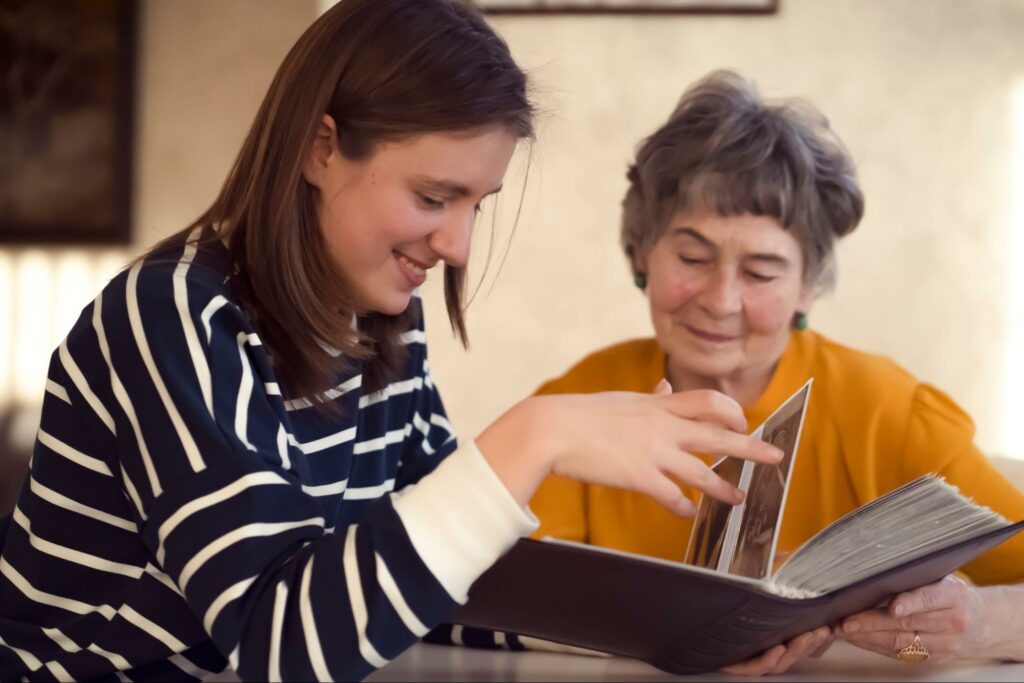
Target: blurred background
x,y
928,96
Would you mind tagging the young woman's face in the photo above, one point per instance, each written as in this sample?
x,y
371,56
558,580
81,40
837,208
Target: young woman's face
x,y
723,291
410,205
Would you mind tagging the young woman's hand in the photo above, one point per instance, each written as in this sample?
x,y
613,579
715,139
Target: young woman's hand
x,y
627,440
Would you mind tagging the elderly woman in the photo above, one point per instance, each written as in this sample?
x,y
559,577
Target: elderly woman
x,y
729,223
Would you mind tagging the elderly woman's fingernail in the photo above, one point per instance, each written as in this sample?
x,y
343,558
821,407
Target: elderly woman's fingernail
x,y
899,610
851,627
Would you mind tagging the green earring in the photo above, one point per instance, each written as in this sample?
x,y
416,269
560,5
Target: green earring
x,y
640,280
800,321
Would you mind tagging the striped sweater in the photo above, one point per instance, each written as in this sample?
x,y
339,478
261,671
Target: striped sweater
x,y
180,515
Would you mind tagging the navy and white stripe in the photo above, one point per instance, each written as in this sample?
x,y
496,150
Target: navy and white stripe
x,y
181,514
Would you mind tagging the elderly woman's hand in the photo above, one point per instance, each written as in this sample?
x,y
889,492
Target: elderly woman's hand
x,y
778,659
950,617
947,617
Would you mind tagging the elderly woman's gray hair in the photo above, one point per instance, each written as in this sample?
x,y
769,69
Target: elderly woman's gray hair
x,y
726,150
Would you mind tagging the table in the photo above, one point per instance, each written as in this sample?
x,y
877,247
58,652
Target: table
x,y
843,662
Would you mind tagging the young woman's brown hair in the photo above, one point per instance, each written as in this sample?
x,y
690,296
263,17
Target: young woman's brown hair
x,y
384,70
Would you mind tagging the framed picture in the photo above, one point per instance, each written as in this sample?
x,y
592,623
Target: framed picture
x,y
628,6
66,121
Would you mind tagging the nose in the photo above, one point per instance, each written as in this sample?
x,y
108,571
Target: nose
x,y
451,241
721,295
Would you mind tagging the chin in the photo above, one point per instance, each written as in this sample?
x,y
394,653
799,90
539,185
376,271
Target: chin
x,y
709,365
393,305
714,370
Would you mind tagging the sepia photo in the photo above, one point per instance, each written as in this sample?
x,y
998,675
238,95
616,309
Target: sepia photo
x,y
766,495
711,523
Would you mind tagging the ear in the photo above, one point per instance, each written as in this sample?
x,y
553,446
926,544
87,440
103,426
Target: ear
x,y
638,259
318,160
808,294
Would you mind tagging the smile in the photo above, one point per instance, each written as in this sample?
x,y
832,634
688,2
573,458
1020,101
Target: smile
x,y
414,271
710,337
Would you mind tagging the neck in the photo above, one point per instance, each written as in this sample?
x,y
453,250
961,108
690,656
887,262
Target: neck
x,y
743,387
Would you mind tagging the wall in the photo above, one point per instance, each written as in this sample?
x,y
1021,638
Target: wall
x,y
921,92
202,70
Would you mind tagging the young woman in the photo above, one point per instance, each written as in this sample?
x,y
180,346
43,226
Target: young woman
x,y
243,458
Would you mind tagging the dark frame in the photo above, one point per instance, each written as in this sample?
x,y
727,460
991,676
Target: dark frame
x,y
631,7
67,120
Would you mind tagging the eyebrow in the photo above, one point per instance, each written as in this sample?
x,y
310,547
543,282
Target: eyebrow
x,y
763,257
450,186
690,232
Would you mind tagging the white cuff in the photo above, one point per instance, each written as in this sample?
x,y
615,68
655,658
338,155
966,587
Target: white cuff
x,y
461,519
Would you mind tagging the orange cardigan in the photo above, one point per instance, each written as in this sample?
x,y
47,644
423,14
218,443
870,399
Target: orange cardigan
x,y
870,426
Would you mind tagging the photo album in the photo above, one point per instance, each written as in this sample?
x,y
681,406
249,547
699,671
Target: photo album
x,y
732,598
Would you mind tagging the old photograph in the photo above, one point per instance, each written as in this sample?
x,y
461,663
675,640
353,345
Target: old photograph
x,y
767,493
711,523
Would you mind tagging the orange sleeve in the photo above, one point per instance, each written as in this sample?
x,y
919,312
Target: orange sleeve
x,y
940,439
975,476
561,506
560,503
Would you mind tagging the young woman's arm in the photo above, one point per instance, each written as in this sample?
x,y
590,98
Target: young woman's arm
x,y
223,500
632,441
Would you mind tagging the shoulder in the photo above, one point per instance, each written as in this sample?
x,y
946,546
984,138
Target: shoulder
x,y
849,374
198,271
634,365
187,284
177,296
883,397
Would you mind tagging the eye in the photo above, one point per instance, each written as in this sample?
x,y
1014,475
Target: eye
x,y
430,202
760,277
692,261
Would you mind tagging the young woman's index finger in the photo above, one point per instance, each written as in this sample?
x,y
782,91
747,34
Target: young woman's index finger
x,y
706,437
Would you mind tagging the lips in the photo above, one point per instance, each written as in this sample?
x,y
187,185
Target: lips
x,y
711,337
415,271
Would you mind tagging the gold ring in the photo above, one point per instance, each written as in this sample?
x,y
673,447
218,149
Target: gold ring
x,y
915,652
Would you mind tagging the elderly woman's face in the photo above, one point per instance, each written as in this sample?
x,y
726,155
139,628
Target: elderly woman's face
x,y
723,291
